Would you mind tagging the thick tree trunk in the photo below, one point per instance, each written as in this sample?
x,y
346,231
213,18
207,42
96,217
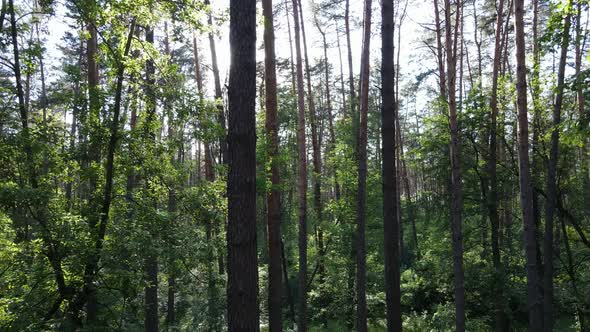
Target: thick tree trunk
x,y
548,243
302,178
526,189
388,134
451,37
273,197
242,261
361,199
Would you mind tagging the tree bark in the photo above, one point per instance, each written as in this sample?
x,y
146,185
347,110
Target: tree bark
x,y
302,178
273,197
442,85
526,190
361,199
352,101
218,92
315,143
151,267
451,37
492,204
242,261
548,243
388,134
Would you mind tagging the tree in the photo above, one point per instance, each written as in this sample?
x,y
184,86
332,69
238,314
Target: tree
x,y
388,133
242,288
273,197
451,37
548,243
301,177
361,256
526,190
492,169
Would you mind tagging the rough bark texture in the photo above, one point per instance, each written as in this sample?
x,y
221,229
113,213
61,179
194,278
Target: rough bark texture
x,y
151,320
273,197
242,260
492,204
526,189
361,199
302,177
390,224
548,243
451,36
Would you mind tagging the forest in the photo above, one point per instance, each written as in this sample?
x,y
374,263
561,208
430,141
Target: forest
x,y
296,165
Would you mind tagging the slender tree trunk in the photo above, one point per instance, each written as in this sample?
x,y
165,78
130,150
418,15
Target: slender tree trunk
x,y
451,37
273,197
332,143
302,178
537,148
91,268
287,284
548,243
492,204
526,190
442,85
218,92
361,199
315,142
352,101
388,134
95,141
151,261
292,62
572,275
242,262
175,159
351,113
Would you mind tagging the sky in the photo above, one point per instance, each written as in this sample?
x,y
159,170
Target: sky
x,y
416,14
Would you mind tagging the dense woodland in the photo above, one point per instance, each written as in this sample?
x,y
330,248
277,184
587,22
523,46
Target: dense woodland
x,y
321,165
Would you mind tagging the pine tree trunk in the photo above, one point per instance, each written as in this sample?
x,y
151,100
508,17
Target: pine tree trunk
x,y
361,199
302,178
526,190
492,204
315,143
451,37
273,197
548,243
151,262
352,101
242,261
218,92
388,134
